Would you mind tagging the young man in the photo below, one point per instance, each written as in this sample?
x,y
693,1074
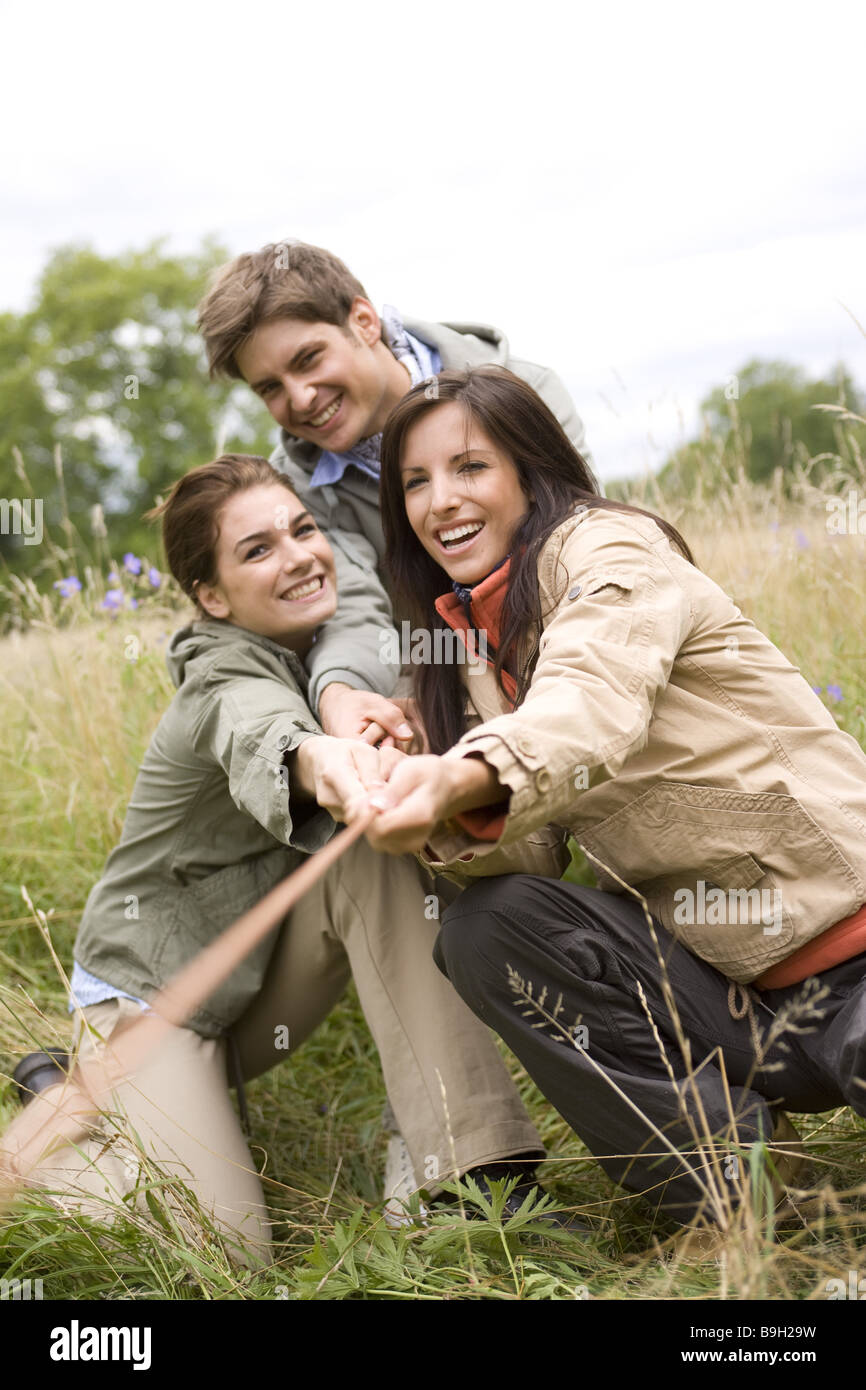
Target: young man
x,y
299,328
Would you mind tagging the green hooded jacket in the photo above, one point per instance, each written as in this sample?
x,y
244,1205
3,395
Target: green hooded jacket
x,y
209,829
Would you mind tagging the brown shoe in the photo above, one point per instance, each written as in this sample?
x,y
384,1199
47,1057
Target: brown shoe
x,y
707,1242
699,1244
788,1155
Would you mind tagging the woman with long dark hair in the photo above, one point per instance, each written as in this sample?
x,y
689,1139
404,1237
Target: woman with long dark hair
x,y
612,691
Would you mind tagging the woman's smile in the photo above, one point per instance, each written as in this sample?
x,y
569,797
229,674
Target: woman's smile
x,y
306,591
459,538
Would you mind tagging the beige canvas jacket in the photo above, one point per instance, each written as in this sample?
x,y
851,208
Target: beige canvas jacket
x,y
685,754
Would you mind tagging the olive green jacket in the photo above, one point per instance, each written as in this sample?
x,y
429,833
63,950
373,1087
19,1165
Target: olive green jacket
x,y
210,828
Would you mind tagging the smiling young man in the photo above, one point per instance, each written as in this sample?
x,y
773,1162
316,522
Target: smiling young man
x,y
299,328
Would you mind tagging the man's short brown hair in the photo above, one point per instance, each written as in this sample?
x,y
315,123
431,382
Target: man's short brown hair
x,y
286,279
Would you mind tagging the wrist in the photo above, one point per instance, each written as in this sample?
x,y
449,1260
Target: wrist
x,y
471,783
302,766
331,692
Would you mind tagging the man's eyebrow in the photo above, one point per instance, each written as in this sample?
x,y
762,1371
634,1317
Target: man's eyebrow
x,y
258,535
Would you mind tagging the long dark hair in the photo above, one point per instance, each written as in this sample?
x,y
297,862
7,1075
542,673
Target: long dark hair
x,y
551,471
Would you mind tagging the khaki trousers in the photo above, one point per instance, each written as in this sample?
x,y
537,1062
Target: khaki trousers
x,y
371,917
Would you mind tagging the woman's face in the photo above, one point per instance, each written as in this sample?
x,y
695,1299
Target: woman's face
x,y
275,570
463,496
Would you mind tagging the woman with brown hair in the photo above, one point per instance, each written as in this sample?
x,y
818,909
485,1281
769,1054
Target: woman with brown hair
x,y
237,786
625,701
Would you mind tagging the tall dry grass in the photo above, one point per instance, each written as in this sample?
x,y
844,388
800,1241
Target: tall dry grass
x,y
82,689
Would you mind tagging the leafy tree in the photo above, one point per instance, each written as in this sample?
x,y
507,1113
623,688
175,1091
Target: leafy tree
x,y
765,418
106,363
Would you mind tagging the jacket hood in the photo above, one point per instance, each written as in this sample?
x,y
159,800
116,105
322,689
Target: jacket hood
x,y
462,345
209,636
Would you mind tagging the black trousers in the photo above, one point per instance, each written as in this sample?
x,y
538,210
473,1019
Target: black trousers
x,y
555,969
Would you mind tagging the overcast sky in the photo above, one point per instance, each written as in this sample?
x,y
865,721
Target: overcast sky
x,y
641,196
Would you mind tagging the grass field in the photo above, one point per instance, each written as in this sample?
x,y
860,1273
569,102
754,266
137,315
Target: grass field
x,y
78,711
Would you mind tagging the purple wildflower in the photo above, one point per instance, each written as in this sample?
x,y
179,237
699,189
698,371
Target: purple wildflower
x,y
817,689
154,576
835,692
133,603
113,599
69,586
131,563
113,577
802,539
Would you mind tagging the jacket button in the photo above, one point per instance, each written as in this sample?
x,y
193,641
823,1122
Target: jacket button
x,y
525,744
575,591
283,741
542,780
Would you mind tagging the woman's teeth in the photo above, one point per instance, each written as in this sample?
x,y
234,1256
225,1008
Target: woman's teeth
x,y
460,533
326,415
310,586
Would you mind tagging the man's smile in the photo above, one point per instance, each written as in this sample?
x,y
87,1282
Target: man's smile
x,y
318,422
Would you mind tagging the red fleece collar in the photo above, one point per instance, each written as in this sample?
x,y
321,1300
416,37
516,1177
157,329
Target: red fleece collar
x,y
486,605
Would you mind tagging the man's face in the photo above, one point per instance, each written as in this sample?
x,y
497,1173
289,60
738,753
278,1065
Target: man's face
x,y
331,386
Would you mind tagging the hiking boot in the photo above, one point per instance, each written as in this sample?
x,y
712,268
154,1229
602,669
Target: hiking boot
x,y
707,1242
790,1161
39,1070
699,1245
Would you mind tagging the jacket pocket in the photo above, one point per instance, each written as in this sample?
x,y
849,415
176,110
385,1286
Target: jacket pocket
x,y
607,596
734,875
731,914
203,909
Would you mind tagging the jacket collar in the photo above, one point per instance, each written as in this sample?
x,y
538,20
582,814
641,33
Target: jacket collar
x,y
484,615
204,636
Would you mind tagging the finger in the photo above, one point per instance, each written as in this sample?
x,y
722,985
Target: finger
x,y
340,790
373,733
403,826
389,760
393,720
368,765
396,841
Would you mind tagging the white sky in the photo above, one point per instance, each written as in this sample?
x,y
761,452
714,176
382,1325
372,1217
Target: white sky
x,y
640,196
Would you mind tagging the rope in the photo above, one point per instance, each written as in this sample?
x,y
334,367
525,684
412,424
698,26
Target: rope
x,y
746,1009
49,1121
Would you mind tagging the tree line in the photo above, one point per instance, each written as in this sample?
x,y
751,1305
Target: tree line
x,y
105,372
